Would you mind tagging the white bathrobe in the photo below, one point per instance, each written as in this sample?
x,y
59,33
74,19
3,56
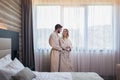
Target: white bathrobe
x,y
65,60
55,51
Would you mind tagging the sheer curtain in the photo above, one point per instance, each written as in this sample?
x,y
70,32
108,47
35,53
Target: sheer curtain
x,y
117,26
42,32
94,32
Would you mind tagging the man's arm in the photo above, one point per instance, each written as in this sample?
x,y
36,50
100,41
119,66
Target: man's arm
x,y
54,43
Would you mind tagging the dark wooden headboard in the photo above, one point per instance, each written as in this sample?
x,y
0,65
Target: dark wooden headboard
x,y
14,41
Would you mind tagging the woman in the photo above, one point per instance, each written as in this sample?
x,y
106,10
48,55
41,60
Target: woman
x,y
65,43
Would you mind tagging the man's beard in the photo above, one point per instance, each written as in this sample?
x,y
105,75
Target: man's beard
x,y
58,31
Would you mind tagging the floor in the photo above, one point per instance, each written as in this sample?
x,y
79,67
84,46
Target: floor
x,y
109,77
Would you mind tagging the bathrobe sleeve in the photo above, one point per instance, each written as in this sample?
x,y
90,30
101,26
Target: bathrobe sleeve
x,y
54,42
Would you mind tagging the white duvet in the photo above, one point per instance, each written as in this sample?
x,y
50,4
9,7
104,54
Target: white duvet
x,y
66,76
52,76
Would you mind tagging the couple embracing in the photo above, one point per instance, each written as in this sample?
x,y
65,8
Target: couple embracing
x,y
60,52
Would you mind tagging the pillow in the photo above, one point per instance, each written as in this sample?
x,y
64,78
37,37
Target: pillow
x,y
5,61
13,67
3,75
25,74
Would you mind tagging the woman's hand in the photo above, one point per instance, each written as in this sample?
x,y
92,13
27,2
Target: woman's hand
x,y
68,48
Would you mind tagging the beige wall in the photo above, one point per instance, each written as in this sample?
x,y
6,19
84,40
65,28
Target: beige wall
x,y
10,16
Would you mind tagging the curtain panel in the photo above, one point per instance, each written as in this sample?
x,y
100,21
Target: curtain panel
x,y
27,34
117,31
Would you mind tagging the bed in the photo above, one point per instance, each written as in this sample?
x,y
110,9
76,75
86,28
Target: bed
x,y
67,76
15,70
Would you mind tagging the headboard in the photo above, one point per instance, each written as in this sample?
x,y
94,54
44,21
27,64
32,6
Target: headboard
x,y
10,39
5,46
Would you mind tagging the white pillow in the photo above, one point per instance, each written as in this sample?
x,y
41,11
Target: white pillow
x,y
13,67
5,61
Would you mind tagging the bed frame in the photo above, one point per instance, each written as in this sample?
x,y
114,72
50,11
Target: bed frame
x,y
9,43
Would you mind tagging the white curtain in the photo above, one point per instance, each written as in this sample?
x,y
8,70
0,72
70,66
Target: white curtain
x,y
97,52
117,36
101,62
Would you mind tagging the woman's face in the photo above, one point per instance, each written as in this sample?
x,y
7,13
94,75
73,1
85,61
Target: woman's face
x,y
65,33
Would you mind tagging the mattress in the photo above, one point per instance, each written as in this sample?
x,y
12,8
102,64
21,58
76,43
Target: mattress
x,y
67,76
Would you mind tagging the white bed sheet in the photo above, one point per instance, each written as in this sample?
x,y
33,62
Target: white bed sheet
x,y
52,76
67,76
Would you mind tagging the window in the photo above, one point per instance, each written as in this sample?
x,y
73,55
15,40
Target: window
x,y
100,27
47,17
90,27
74,20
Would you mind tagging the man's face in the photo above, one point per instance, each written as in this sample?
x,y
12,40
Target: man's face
x,y
59,30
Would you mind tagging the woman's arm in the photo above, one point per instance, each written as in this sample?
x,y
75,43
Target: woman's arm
x,y
65,45
70,45
62,44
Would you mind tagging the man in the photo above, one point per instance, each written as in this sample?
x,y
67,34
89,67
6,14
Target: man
x,y
56,49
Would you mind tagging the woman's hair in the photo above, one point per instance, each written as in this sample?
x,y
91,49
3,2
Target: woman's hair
x,y
67,32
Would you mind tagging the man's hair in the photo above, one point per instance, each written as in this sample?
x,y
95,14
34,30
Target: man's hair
x,y
57,26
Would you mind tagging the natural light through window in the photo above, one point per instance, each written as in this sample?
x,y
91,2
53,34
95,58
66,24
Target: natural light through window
x,y
74,20
100,29
48,16
90,27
